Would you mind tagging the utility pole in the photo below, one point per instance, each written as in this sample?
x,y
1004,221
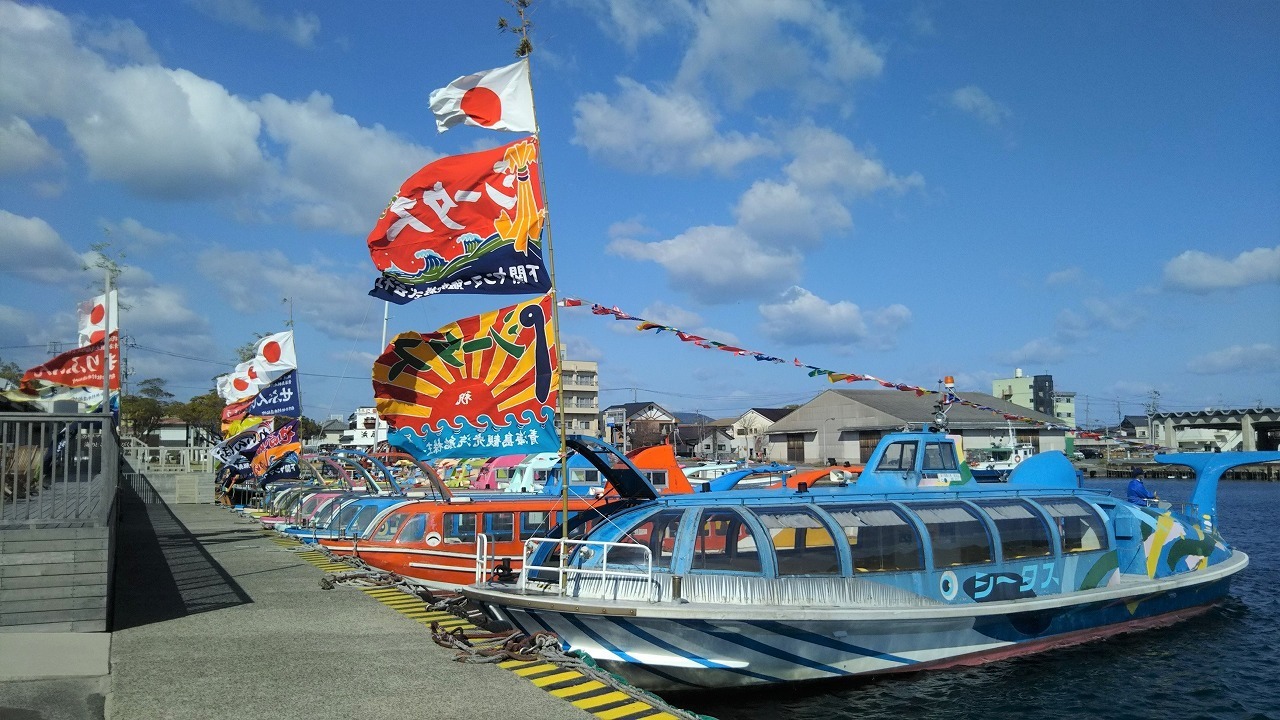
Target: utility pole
x,y
1152,407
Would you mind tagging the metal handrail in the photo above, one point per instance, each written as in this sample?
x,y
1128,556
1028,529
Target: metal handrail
x,y
564,572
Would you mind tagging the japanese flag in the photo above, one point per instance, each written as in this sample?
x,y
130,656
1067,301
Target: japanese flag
x,y
498,99
274,356
95,314
242,384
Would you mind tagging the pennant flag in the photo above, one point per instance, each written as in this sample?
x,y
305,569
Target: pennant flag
x,y
570,302
242,444
232,413
464,224
273,356
282,440
498,99
280,398
284,467
248,421
81,367
482,386
95,314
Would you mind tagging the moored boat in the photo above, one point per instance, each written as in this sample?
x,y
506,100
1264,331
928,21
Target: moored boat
x,y
911,565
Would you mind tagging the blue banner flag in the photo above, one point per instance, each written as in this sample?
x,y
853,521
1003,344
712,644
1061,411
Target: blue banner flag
x,y
280,398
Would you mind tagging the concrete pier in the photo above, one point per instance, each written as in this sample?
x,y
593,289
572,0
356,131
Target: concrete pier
x,y
211,619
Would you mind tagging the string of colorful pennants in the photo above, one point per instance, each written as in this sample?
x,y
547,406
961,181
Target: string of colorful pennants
x,y
813,370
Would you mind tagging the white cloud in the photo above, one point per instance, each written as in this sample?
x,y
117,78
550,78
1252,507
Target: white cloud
x,y
577,347
300,29
686,321
975,101
645,131
335,303
824,160
136,236
171,134
31,249
337,173
1115,315
1197,272
802,318
744,47
17,327
1259,357
1066,276
122,38
631,22
782,214
1041,351
715,263
22,149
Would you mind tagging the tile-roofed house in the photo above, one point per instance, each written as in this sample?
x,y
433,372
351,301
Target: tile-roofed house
x,y
845,425
751,431
637,424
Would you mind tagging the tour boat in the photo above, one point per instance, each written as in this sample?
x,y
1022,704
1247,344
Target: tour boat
x,y
911,565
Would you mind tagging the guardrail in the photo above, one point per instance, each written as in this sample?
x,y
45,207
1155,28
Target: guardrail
x,y
57,469
168,459
565,572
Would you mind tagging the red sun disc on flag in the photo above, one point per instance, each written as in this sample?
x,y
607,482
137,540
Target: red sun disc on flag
x,y
253,374
98,314
482,105
271,351
96,336
240,384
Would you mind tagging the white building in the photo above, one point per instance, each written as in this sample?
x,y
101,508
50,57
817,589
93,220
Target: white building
x,y
580,386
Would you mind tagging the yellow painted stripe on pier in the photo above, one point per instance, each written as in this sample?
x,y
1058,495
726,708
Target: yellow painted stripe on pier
x,y
534,669
513,664
552,679
568,692
605,699
661,716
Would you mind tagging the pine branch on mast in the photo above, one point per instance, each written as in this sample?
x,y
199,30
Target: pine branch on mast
x,y
525,46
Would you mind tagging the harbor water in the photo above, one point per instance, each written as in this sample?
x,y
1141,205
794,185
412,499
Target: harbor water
x,y
1224,665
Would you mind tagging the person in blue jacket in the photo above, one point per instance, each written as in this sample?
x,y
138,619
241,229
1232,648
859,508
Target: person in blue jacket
x,y
1138,492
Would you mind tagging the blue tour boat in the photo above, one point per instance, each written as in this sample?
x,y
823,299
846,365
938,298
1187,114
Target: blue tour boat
x,y
914,565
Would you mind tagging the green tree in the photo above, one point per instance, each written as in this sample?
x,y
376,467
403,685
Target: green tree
x,y
204,413
10,371
309,428
142,413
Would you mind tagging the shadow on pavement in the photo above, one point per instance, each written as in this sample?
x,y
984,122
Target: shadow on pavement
x,y
162,570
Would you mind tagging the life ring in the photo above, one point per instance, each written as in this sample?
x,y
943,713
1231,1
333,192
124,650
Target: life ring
x,y
1017,459
433,539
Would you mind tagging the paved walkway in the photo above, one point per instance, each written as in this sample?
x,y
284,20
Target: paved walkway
x,y
214,620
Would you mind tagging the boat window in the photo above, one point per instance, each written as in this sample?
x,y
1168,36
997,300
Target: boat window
x,y
657,531
725,542
345,517
1023,533
957,535
898,456
535,523
657,478
579,476
459,528
413,531
389,527
939,456
880,539
362,521
500,527
1080,527
802,544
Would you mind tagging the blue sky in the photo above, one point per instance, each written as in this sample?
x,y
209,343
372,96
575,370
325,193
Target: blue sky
x,y
1089,190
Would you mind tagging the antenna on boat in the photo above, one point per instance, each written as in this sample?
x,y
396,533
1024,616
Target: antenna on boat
x,y
947,389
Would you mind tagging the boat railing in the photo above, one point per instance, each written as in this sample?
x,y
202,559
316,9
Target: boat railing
x,y
565,573
486,561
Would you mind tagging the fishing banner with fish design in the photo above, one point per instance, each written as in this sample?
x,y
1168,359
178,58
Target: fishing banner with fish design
x,y
482,386
464,224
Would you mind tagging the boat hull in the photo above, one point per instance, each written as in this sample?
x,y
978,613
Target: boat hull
x,y
687,649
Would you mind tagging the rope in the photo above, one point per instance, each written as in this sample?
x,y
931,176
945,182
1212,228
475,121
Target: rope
x,y
545,646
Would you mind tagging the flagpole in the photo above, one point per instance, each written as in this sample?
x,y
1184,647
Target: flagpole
x,y
555,313
106,343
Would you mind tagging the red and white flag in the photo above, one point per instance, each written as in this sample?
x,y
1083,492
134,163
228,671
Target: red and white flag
x,y
81,367
241,384
274,356
498,99
95,314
